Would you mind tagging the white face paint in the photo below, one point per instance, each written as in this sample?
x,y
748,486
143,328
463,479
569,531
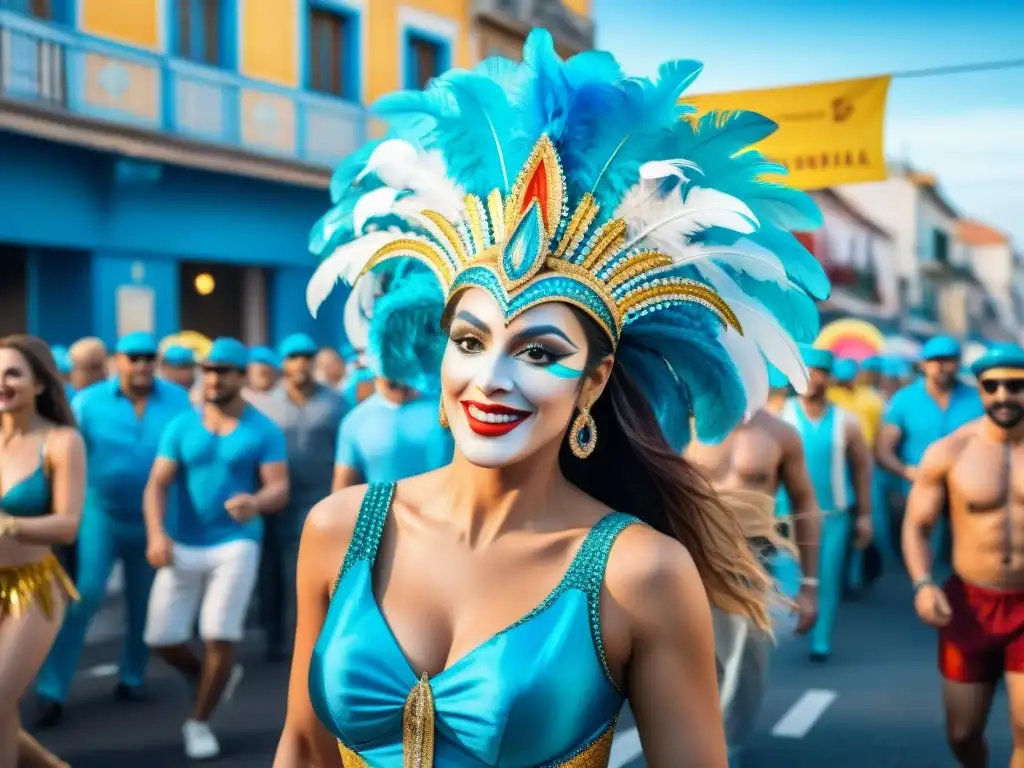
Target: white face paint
x,y
509,391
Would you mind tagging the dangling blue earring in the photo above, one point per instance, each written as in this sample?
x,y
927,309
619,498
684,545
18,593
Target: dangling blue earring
x,y
583,434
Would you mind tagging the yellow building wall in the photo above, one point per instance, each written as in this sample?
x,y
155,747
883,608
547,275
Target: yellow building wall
x,y
132,22
582,7
268,39
381,53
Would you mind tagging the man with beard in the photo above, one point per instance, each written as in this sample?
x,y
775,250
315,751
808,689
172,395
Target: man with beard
x,y
309,413
979,612
923,413
229,465
121,421
839,466
761,455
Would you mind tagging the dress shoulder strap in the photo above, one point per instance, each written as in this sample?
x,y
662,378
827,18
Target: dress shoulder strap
x,y
588,568
373,513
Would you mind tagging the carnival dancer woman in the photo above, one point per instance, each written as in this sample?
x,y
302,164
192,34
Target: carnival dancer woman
x,y
42,488
609,269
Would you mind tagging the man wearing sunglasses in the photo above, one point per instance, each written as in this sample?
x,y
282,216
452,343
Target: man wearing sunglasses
x,y
227,462
121,421
979,612
919,415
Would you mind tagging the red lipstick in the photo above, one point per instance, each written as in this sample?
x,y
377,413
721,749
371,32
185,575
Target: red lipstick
x,y
511,418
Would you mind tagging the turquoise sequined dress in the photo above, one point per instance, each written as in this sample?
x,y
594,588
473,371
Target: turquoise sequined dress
x,y
535,695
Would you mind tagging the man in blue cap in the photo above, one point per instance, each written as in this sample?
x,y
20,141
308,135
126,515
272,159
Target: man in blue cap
x,y
121,421
178,364
869,374
309,413
972,474
921,414
263,370
839,465
227,462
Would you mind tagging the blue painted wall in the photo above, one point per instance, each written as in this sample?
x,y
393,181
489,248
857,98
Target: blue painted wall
x,y
59,294
61,196
86,223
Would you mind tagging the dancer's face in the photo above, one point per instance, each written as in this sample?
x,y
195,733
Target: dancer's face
x,y
18,386
510,391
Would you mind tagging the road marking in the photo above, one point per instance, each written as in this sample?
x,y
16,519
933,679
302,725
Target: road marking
x,y
625,748
100,670
802,716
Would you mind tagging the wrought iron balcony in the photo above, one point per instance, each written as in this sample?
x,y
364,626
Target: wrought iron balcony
x,y
60,69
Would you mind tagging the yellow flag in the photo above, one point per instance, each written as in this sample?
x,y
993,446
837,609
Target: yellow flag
x,y
829,133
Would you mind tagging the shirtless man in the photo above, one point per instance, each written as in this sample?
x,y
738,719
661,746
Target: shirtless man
x,y
761,455
979,612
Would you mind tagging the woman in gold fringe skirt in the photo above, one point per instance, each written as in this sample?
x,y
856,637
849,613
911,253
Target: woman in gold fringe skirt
x,y
42,488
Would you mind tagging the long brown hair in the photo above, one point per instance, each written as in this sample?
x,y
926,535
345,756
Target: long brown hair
x,y
633,469
52,403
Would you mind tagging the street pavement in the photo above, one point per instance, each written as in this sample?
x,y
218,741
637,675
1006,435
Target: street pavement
x,y
876,702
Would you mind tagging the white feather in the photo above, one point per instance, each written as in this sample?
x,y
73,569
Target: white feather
x,y
666,224
750,364
379,202
359,311
759,263
658,170
760,325
344,264
399,166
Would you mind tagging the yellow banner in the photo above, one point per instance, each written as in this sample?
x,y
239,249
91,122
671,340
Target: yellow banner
x,y
829,133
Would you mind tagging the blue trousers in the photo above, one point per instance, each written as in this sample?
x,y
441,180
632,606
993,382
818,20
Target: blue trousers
x,y
101,542
835,533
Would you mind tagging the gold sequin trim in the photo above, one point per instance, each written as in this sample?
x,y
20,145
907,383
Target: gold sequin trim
x,y
637,264
425,252
418,726
350,759
608,244
543,152
450,234
597,754
496,213
475,216
576,230
22,586
681,290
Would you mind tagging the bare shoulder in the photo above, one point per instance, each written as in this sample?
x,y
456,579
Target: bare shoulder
x,y
63,443
780,431
648,573
328,529
941,455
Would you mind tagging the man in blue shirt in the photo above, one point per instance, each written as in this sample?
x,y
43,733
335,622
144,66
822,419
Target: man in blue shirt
x,y
227,463
121,420
922,413
309,414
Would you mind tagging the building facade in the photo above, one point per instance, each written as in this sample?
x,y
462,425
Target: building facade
x,y
163,160
988,254
930,287
857,255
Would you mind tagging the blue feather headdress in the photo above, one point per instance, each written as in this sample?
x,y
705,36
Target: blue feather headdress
x,y
567,181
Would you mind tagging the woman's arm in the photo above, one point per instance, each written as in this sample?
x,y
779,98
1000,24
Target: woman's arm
x,y
673,682
305,743
65,467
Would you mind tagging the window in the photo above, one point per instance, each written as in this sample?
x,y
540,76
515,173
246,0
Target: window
x,y
200,31
940,246
425,59
332,53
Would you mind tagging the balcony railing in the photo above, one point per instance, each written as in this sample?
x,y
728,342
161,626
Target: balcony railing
x,y
61,69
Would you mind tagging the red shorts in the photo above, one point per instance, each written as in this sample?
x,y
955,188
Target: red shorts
x,y
985,636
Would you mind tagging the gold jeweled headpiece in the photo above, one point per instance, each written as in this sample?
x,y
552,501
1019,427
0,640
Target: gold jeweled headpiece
x,y
525,249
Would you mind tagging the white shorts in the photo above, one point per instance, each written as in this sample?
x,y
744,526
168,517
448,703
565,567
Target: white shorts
x,y
213,583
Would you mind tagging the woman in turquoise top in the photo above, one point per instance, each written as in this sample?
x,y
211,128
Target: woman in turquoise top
x,y
42,488
499,611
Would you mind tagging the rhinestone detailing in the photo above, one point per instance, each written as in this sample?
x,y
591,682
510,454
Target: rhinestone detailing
x,y
583,435
373,513
22,586
512,244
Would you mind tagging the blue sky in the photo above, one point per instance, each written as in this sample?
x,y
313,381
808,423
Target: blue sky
x,y
967,128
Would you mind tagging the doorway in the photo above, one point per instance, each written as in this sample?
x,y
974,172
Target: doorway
x,y
211,298
13,290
